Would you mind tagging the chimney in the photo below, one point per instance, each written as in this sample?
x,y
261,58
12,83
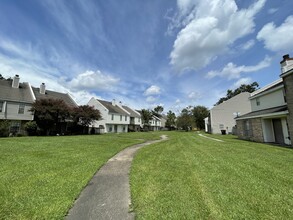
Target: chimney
x,y
113,102
286,63
15,82
43,88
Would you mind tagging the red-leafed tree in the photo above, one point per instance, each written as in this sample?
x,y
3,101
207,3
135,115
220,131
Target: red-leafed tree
x,y
49,114
85,115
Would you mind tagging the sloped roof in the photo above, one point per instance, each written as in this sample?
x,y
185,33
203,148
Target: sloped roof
x,y
266,88
21,94
54,95
131,111
264,112
112,109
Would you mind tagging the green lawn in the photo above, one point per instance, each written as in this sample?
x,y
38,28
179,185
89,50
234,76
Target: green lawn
x,y
190,177
42,176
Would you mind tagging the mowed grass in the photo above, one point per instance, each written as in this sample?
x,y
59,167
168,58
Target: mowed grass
x,y
42,176
190,177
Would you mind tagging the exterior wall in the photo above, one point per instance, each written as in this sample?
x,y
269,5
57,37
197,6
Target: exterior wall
x,y
10,111
222,116
269,100
288,84
255,130
104,113
117,119
110,128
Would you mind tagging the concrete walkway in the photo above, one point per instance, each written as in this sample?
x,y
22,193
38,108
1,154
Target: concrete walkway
x,y
107,196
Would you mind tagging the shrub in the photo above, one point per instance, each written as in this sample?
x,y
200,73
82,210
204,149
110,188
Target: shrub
x,y
31,128
4,128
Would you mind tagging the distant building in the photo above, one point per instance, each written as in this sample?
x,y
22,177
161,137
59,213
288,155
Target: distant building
x,y
222,117
115,119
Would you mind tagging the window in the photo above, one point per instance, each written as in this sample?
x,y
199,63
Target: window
x,y
112,117
125,118
139,120
1,106
120,117
247,128
21,109
14,127
257,101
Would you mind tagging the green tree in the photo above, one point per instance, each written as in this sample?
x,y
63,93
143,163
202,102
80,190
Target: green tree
x,y
171,120
146,116
185,120
158,111
243,88
199,114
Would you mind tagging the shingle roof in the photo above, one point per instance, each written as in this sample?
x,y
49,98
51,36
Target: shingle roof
x,y
54,95
21,94
132,112
264,112
112,109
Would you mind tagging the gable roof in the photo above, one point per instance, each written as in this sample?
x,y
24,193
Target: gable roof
x,y
21,94
132,112
267,88
112,109
54,95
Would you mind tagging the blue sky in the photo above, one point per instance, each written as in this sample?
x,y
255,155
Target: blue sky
x,y
145,53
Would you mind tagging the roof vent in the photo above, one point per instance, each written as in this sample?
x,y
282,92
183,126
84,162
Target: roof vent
x,y
15,82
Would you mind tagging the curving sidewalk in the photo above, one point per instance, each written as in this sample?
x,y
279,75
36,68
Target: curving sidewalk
x,y
107,196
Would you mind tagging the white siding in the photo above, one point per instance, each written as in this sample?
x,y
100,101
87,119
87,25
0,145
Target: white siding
x,y
269,100
222,115
10,111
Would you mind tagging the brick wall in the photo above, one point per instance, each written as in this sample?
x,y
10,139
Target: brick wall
x,y
288,84
254,133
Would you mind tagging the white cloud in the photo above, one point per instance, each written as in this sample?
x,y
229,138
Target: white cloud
x,y
91,80
247,45
194,96
152,90
242,81
232,71
272,10
277,38
151,99
213,26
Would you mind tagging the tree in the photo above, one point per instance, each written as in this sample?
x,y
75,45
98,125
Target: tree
x,y
49,113
85,115
185,120
199,114
158,111
146,116
243,88
171,119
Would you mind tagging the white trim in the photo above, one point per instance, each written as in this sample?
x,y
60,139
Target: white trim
x,y
270,115
257,92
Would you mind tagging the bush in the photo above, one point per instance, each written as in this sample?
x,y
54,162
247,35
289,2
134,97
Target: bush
x,y
4,128
31,128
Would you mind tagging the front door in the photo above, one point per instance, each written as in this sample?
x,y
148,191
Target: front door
x,y
115,128
278,131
